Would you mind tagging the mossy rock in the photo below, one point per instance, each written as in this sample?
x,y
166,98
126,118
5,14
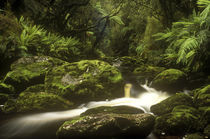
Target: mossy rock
x,y
202,97
107,126
171,80
35,88
29,71
128,64
6,88
85,81
167,105
147,72
114,109
194,136
181,120
3,98
207,131
36,102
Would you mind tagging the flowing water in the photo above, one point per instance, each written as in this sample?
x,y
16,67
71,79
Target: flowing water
x,y
30,126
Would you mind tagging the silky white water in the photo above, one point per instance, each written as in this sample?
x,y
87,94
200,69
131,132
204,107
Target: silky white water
x,y
32,123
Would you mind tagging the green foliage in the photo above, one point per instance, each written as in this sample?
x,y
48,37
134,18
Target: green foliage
x,y
35,40
9,28
188,39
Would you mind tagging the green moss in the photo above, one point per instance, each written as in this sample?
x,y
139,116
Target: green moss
x,y
86,80
107,126
167,105
170,75
33,102
29,71
171,80
147,72
181,120
189,112
128,64
35,88
6,88
116,78
73,121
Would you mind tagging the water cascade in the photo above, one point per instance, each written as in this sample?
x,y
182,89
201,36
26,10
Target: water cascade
x,y
32,123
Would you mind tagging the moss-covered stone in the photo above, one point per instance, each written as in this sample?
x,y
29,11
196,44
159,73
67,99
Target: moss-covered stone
x,y
207,131
28,71
202,97
181,120
3,98
171,80
85,80
6,88
36,102
128,64
35,88
167,105
107,126
147,72
114,109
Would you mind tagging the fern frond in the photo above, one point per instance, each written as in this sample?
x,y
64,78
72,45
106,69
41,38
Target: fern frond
x,y
203,3
187,45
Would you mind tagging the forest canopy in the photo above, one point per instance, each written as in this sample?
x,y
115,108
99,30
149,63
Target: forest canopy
x,y
91,28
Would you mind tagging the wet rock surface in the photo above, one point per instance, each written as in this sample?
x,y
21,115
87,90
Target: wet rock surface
x,y
107,126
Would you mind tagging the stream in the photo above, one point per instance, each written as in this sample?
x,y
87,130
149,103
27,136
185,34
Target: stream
x,y
45,125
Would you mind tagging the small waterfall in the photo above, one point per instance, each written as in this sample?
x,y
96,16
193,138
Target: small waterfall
x,y
31,123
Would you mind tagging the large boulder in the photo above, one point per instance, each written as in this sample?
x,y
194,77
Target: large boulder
x,y
84,81
114,109
167,105
202,97
128,64
107,126
147,72
181,120
28,71
171,80
36,102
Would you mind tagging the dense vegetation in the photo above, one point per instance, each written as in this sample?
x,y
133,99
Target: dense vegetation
x,y
66,29
64,50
